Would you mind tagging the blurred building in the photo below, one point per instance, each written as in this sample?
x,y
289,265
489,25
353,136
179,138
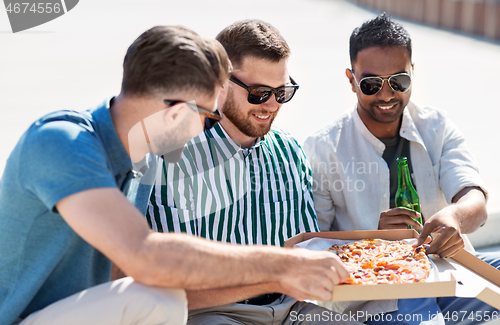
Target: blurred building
x,y
475,17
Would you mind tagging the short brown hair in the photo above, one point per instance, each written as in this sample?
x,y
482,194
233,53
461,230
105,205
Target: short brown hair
x,y
253,38
173,58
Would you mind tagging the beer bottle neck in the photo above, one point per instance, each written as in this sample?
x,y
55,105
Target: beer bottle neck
x,y
404,180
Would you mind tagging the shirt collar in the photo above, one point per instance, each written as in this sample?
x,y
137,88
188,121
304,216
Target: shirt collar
x,y
225,145
408,129
118,157
361,127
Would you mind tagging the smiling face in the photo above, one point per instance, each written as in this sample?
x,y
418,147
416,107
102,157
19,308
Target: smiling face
x,y
381,113
244,122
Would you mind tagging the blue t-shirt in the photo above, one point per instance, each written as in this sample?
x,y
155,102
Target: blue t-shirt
x,y
42,260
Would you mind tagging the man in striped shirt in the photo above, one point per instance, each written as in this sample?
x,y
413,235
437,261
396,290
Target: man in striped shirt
x,y
242,182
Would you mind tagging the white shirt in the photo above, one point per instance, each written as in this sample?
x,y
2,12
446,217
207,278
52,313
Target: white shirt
x,y
351,179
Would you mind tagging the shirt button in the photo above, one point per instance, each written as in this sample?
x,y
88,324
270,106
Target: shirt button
x,y
385,195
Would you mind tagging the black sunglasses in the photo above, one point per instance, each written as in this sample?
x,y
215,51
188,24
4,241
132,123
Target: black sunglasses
x,y
260,94
399,82
211,117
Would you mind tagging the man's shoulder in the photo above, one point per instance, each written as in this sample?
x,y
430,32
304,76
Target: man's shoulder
x,y
331,132
277,135
284,142
58,142
59,126
60,131
426,113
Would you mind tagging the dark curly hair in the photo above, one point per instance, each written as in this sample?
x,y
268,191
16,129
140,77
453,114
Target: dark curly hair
x,y
381,31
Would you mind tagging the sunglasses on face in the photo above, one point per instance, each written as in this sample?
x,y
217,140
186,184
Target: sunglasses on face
x,y
260,94
211,118
399,82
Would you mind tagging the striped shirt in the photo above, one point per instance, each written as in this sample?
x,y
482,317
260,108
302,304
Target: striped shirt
x,y
223,192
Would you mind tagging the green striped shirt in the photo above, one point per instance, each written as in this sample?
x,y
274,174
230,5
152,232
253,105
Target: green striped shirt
x,y
223,192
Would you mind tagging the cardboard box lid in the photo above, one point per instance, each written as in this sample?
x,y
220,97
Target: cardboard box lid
x,y
464,275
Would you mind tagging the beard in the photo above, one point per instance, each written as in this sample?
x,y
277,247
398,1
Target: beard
x,y
170,145
244,121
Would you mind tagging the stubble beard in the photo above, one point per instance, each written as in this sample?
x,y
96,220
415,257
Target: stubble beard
x,y
170,145
242,120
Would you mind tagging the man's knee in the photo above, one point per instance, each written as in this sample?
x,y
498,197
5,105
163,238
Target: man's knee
x,y
492,258
152,305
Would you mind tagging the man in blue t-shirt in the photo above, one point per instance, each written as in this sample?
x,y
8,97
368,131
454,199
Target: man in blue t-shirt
x,y
64,216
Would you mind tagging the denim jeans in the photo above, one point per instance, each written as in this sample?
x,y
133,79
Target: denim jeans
x,y
470,310
411,312
449,310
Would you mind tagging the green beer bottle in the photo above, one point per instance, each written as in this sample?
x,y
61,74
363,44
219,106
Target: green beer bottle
x,y
406,195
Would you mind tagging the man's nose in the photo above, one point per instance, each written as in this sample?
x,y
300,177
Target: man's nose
x,y
386,93
271,105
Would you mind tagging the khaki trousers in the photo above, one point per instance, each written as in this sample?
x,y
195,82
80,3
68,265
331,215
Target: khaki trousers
x,y
121,302
283,311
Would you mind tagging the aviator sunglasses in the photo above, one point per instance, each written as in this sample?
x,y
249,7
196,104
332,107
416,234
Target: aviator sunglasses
x,y
260,94
211,118
399,82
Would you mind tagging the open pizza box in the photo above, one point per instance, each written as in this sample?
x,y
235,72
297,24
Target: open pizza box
x,y
463,275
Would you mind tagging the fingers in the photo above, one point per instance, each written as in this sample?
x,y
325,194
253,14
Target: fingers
x,y
315,276
340,269
451,251
423,241
298,295
429,227
399,222
311,288
402,211
448,243
426,231
317,289
399,218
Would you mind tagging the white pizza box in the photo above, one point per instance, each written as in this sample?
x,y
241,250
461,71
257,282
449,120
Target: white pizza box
x,y
463,275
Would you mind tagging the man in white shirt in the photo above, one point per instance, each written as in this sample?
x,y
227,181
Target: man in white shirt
x,y
354,158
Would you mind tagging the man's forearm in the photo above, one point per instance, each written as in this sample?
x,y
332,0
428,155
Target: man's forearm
x,y
106,220
198,299
470,209
220,263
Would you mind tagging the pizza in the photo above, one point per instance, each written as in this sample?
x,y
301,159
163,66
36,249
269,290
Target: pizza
x,y
374,261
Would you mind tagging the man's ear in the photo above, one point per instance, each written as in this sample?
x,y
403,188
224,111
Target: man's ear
x,y
171,114
221,98
350,76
